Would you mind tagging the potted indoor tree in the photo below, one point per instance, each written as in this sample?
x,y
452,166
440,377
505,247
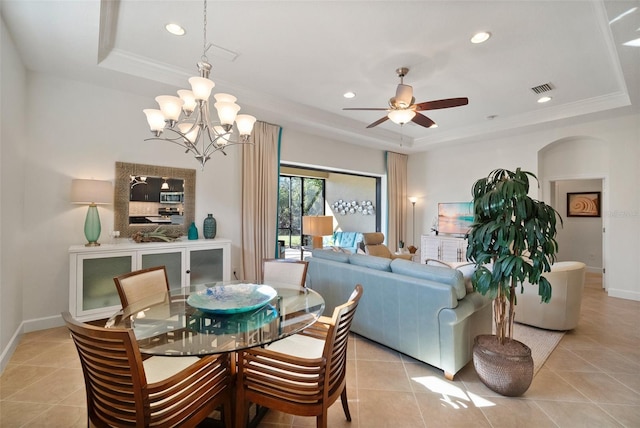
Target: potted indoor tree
x,y
512,240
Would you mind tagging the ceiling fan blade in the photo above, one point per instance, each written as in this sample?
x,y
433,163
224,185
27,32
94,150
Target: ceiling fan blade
x,y
378,122
423,120
438,104
365,108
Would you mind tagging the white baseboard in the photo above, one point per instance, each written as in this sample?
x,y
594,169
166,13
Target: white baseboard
x,y
623,294
42,323
26,327
592,269
8,351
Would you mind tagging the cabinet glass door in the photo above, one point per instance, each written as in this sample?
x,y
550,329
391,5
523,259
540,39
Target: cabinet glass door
x,y
98,289
205,266
171,261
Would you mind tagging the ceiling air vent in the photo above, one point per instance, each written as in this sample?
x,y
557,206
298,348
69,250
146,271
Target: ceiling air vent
x,y
540,89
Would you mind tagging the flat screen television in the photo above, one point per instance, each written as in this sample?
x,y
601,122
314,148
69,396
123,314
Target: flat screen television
x,y
455,218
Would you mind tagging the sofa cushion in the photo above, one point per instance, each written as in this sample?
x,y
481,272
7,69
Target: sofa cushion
x,y
467,269
378,263
330,255
441,274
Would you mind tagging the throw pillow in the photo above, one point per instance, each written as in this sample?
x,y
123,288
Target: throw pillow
x,y
466,268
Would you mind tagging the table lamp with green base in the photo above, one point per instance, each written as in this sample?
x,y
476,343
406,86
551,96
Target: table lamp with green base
x,y
91,192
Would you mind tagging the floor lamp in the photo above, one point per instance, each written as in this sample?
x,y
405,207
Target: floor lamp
x,y
317,226
92,193
413,201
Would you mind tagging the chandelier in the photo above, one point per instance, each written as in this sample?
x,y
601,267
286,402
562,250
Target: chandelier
x,y
186,118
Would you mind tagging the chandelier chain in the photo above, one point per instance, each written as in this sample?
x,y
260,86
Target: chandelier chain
x,y
204,34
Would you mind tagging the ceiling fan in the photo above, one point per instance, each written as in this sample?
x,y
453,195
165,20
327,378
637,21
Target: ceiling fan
x,y
402,107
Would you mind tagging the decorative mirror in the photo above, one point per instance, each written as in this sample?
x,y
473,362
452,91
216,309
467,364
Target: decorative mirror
x,y
148,196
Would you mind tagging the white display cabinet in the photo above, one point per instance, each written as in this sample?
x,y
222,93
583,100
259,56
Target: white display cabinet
x,y
445,248
92,291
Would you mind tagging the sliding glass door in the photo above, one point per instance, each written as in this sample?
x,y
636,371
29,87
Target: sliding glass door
x,y
297,197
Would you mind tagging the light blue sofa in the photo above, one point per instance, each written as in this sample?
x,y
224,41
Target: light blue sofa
x,y
419,310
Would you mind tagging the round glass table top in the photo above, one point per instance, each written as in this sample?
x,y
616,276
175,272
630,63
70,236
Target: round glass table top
x,y
218,317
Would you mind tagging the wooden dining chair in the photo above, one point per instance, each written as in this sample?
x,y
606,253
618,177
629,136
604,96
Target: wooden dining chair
x,y
142,283
302,374
122,390
285,271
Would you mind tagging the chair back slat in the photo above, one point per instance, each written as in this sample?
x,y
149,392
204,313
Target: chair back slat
x,y
338,339
112,370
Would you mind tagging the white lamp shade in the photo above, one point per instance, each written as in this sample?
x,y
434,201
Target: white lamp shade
x,y
225,98
191,134
227,112
189,101
201,87
170,106
245,123
155,118
90,192
404,95
401,116
413,199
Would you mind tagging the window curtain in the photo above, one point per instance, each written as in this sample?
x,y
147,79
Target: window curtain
x,y
397,191
260,166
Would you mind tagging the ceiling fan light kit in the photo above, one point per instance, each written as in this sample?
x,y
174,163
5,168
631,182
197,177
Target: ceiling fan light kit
x,y
402,108
187,116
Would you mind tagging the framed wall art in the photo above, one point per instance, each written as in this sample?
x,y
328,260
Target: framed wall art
x,y
583,204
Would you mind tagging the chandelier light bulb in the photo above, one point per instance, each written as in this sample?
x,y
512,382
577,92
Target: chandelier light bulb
x,y
227,112
245,123
170,106
189,101
225,98
155,118
201,87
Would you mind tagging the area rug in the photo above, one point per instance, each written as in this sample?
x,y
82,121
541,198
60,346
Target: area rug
x,y
542,342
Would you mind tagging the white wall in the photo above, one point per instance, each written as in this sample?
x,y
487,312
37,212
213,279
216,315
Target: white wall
x,y
351,188
447,173
13,87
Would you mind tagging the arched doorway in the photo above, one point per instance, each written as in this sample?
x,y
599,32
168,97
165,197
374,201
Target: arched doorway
x,y
577,165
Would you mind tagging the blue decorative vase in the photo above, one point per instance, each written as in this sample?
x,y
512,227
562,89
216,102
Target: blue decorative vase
x,y
193,231
209,227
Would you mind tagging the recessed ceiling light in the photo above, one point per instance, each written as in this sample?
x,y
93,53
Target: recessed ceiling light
x,y
349,94
544,99
480,37
175,29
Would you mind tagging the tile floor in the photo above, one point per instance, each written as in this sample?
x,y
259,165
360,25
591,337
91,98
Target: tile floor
x,y
592,379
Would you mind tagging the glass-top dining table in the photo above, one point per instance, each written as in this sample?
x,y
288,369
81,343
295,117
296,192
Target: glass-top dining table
x,y
218,317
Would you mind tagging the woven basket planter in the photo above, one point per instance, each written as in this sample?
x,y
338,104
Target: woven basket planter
x,y
506,369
